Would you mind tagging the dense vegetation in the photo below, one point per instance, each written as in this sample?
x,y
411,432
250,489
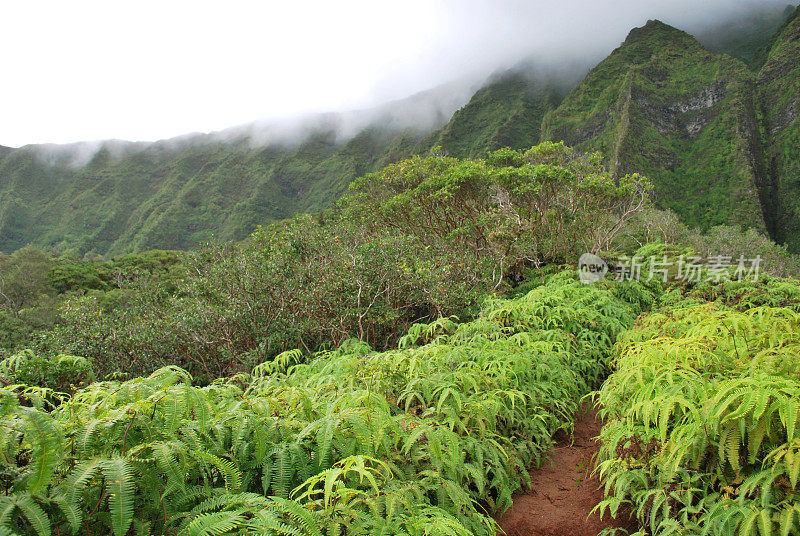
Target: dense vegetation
x,y
703,413
35,284
430,437
177,197
715,133
361,271
506,112
424,439
394,365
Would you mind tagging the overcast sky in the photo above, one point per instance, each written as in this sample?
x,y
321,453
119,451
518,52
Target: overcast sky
x,y
146,70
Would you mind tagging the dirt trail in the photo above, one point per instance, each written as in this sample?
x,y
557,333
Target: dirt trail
x,y
564,492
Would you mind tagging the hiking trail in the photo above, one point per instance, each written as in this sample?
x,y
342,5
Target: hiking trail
x,y
563,490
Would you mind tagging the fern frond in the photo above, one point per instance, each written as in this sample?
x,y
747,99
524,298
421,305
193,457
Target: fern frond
x,y
120,486
216,523
34,514
44,438
300,515
230,473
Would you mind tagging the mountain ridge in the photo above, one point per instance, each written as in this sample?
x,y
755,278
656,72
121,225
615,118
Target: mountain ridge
x,y
694,121
651,106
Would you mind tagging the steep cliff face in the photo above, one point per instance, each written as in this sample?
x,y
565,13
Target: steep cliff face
x,y
663,106
778,99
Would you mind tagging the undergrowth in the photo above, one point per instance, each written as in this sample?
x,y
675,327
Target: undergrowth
x,y
702,433
426,439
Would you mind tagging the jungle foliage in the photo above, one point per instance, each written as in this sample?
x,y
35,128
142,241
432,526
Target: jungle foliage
x,y
703,413
425,439
34,284
517,208
423,239
395,365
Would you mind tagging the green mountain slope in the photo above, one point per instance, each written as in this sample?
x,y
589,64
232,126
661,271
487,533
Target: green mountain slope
x,y
718,138
779,106
748,38
506,112
662,105
177,198
760,54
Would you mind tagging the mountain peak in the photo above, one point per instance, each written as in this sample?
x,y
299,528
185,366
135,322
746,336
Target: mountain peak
x,y
655,38
655,24
792,12
793,18
657,33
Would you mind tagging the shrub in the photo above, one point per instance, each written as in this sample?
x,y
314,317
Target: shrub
x,y
61,374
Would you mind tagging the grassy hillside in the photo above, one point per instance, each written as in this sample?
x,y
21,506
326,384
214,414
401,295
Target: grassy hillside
x,y
507,112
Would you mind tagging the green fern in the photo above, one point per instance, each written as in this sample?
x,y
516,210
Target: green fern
x,y
701,403
44,439
120,486
30,510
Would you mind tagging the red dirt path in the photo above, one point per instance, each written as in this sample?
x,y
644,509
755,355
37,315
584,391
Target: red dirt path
x,y
564,492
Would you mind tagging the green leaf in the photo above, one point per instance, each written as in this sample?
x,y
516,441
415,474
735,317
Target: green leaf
x,y
120,486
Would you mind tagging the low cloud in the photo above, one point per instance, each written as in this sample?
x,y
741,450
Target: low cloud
x,y
464,43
